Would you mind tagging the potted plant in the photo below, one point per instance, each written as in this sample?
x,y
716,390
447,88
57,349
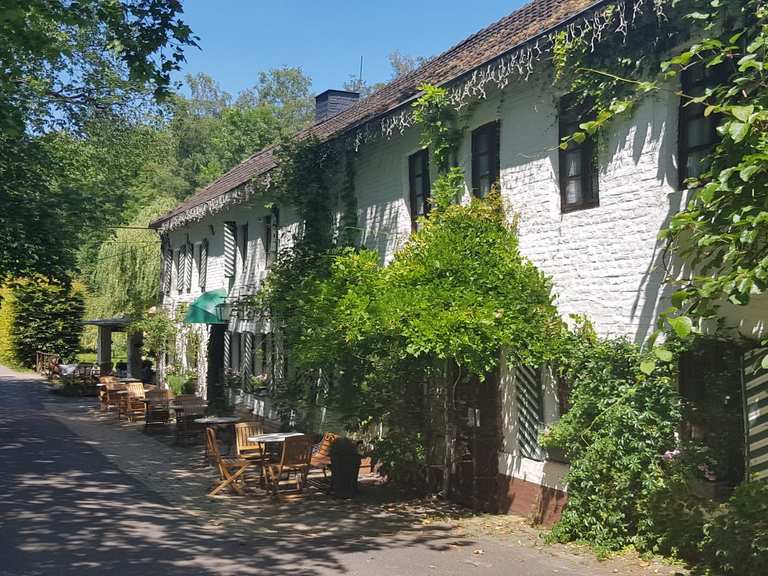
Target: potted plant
x,y
345,467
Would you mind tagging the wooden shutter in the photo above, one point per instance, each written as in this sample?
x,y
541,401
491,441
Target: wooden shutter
x,y
228,349
246,359
755,382
230,249
188,267
530,411
181,259
203,271
167,269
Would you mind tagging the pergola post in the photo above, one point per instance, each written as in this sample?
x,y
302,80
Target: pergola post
x,y
104,348
134,355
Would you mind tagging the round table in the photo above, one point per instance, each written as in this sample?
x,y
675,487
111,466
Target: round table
x,y
212,422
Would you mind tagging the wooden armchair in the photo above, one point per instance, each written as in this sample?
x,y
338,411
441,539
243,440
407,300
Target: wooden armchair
x,y
189,408
321,457
158,409
135,406
107,381
293,462
231,470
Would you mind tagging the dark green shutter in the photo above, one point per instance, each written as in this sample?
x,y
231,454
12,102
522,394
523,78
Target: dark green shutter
x,y
530,411
230,249
755,380
203,273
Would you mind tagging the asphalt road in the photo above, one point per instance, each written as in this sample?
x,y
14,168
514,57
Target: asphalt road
x,y
67,509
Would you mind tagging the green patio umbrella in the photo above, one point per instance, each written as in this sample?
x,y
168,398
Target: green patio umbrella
x,y
203,310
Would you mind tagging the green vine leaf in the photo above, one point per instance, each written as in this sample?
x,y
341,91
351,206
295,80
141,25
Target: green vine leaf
x,y
647,366
663,354
682,325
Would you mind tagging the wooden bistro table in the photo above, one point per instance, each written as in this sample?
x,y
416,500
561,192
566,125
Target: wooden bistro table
x,y
214,422
273,438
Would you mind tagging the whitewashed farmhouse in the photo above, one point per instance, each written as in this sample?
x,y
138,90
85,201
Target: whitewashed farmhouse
x,y
591,226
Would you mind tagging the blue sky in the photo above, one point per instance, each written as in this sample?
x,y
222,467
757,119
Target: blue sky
x,y
239,38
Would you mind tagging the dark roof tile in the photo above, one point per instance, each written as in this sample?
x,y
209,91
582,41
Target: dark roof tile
x,y
497,39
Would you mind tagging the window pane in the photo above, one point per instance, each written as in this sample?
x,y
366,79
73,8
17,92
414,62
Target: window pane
x,y
573,163
699,132
485,186
573,192
481,142
419,206
483,166
695,166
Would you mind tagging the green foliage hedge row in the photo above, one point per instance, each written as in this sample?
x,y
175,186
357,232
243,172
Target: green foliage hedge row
x,y
41,315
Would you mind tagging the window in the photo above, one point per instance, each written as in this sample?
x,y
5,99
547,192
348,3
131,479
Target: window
x,y
418,179
234,356
578,162
530,411
267,239
271,229
485,159
697,134
243,238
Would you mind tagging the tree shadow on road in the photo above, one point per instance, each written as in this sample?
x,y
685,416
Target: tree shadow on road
x,y
67,509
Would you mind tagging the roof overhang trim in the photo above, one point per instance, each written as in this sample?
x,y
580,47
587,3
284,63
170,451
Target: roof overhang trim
x,y
591,25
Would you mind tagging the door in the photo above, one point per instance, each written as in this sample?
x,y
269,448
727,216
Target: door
x,y
215,374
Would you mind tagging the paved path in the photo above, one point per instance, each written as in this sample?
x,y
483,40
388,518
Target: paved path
x,y
76,497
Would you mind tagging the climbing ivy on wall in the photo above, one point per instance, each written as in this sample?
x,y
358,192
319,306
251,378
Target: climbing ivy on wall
x,y
722,232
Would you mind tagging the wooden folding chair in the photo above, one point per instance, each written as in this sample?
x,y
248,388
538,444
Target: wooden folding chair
x,y
244,448
135,408
231,470
107,381
294,461
158,408
189,408
321,457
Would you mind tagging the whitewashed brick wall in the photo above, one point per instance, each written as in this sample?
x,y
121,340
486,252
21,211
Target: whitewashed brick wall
x,y
605,262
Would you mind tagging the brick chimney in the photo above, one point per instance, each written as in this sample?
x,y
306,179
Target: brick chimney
x,y
332,102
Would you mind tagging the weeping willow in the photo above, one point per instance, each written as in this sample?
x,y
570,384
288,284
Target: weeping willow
x,y
126,276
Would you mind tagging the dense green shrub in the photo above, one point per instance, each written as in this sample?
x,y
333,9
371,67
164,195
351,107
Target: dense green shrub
x,y
6,321
47,317
621,420
736,538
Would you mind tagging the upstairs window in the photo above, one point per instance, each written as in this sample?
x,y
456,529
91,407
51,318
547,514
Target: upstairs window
x,y
578,162
418,181
697,134
485,159
243,238
271,229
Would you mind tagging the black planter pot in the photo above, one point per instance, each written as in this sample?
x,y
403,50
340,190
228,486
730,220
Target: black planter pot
x,y
344,473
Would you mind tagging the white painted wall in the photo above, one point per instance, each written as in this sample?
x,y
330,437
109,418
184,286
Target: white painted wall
x,y
605,262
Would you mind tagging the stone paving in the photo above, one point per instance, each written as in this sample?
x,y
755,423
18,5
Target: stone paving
x,y
84,494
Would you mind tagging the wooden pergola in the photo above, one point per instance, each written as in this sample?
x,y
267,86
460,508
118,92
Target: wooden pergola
x,y
106,327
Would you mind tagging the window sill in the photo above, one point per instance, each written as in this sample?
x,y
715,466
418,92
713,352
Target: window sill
x,y
578,208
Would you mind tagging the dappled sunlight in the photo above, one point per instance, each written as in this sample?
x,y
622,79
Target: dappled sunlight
x,y
96,495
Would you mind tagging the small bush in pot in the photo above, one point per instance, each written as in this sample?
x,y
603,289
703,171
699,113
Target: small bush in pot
x,y
345,467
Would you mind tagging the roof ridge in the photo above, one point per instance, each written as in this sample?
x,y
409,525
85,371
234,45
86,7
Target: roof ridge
x,y
498,38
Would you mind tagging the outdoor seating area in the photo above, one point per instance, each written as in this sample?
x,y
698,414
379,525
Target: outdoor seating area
x,y
246,456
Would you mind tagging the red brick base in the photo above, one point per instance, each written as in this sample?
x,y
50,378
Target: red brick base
x,y
542,504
